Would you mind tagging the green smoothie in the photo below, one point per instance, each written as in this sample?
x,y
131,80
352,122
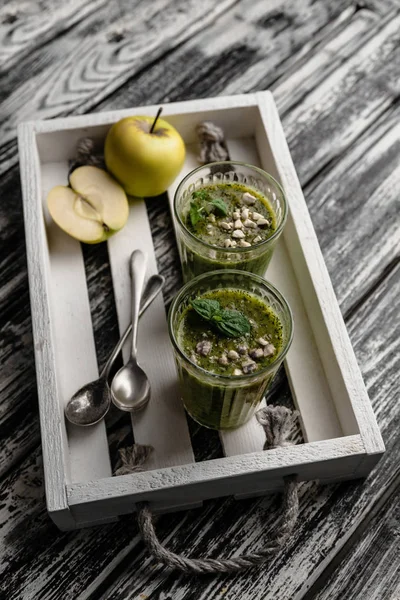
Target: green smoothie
x,y
229,220
230,343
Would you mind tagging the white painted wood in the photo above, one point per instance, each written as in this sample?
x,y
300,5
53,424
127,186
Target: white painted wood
x,y
312,296
162,423
213,478
72,334
345,380
54,442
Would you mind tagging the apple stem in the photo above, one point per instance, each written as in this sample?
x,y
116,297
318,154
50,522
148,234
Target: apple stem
x,y
156,119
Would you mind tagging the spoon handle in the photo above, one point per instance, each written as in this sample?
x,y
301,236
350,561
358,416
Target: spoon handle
x,y
137,265
151,291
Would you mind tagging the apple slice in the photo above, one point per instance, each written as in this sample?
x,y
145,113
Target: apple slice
x,y
92,209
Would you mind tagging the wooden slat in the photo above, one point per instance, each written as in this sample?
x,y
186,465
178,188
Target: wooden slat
x,y
162,423
309,385
86,455
330,333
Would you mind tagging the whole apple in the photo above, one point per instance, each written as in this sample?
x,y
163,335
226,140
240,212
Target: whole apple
x,y
144,163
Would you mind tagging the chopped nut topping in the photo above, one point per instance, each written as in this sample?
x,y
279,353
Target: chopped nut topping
x,y
209,226
249,223
249,367
248,199
269,350
238,233
244,244
245,213
211,218
226,226
262,222
238,224
257,239
223,360
203,348
242,349
227,243
232,354
256,353
238,372
257,216
236,214
262,341
233,244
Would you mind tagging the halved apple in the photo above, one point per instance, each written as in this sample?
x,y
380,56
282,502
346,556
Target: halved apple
x,y
92,209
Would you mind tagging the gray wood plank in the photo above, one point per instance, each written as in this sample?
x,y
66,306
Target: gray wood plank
x,y
371,569
27,26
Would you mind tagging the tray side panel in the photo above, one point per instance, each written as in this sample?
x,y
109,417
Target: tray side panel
x,y
54,438
72,335
337,355
257,472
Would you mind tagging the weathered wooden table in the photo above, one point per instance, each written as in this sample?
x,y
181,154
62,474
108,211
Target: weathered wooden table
x,y
334,68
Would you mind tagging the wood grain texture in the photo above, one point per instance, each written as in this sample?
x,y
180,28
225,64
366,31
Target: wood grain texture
x,y
91,64
25,26
41,562
328,514
371,568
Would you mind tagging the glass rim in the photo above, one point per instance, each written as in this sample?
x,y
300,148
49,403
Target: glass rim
x,y
216,376
276,233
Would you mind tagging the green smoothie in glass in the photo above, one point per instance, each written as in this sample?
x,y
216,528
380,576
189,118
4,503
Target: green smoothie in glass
x,y
230,331
229,215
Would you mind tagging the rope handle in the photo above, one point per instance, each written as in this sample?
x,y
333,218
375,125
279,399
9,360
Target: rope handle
x,y
223,565
276,422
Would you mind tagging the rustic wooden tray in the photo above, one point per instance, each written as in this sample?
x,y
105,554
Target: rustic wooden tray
x,y
342,437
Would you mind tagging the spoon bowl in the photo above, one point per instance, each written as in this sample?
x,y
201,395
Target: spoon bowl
x,y
90,403
130,387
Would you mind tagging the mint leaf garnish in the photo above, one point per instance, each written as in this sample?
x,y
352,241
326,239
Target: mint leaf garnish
x,y
196,213
206,308
231,323
219,207
202,195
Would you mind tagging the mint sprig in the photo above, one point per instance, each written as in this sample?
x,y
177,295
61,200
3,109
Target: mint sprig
x,y
230,323
202,205
219,207
196,213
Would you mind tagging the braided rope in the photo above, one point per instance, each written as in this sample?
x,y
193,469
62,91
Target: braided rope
x,y
212,143
276,422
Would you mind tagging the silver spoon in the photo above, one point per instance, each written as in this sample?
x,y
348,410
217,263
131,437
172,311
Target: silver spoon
x,y
90,404
130,388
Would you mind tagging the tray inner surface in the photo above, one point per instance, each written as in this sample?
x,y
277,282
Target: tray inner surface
x,y
163,424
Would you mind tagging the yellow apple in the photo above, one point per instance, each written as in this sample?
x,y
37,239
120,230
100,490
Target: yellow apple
x,y
92,209
144,162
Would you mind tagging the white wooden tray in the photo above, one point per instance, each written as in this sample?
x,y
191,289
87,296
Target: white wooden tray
x,y
342,437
